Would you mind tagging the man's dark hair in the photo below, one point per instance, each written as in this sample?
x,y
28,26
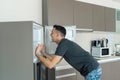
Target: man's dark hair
x,y
61,29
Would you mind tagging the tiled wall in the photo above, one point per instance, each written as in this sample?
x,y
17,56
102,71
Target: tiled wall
x,y
84,38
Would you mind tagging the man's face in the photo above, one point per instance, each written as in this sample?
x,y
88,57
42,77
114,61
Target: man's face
x,y
54,34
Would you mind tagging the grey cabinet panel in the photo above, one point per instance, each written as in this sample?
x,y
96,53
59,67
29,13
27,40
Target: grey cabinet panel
x,y
58,12
16,51
98,18
79,76
110,19
66,74
103,19
65,71
111,71
68,78
83,15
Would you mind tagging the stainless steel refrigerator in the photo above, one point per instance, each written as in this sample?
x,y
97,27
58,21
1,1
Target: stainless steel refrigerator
x,y
18,40
62,71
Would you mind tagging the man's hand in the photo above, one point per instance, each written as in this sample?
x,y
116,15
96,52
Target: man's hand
x,y
43,49
38,49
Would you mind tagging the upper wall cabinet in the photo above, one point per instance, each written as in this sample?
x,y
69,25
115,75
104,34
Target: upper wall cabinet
x,y
58,12
110,19
83,15
94,17
103,19
98,18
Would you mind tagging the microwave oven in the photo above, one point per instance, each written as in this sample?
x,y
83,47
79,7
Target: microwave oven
x,y
101,51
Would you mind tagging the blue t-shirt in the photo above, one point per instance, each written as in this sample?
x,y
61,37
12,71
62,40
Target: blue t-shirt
x,y
76,56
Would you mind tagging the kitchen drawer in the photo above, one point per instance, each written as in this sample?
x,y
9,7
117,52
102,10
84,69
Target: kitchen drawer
x,y
65,77
66,74
64,71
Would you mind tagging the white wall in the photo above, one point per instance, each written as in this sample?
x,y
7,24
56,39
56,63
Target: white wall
x,y
84,39
108,3
21,10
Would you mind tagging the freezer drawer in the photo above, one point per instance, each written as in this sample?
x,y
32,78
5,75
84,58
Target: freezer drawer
x,y
46,73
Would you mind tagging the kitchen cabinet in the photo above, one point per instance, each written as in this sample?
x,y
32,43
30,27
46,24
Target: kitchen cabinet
x,y
83,15
103,18
58,12
110,19
62,71
98,18
94,17
66,74
79,76
111,70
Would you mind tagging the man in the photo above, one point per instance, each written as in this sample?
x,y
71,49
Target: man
x,y
77,57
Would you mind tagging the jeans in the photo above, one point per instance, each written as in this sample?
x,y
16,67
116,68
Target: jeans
x,y
95,74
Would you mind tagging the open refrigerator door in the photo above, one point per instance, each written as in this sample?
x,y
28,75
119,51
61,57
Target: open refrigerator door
x,y
37,39
51,46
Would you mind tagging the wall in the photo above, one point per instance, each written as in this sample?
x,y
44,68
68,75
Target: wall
x,y
21,10
108,3
84,39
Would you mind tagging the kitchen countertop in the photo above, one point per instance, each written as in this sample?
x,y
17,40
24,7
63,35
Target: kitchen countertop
x,y
108,59
64,65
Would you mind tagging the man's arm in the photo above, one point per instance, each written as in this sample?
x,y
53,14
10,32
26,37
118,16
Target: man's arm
x,y
47,55
44,52
49,62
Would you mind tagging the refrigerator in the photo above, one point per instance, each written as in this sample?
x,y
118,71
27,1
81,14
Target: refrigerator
x,y
18,41
51,46
61,71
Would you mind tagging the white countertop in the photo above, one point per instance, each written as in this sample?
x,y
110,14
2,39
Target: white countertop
x,y
65,65
108,59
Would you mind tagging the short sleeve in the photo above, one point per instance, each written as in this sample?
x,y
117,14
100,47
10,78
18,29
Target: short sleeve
x,y
62,48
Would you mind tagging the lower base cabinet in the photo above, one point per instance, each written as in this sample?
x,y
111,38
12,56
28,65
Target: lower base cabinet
x,y
79,77
111,70
66,74
67,78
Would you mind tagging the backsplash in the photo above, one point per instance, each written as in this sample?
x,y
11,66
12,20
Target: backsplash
x,y
84,38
